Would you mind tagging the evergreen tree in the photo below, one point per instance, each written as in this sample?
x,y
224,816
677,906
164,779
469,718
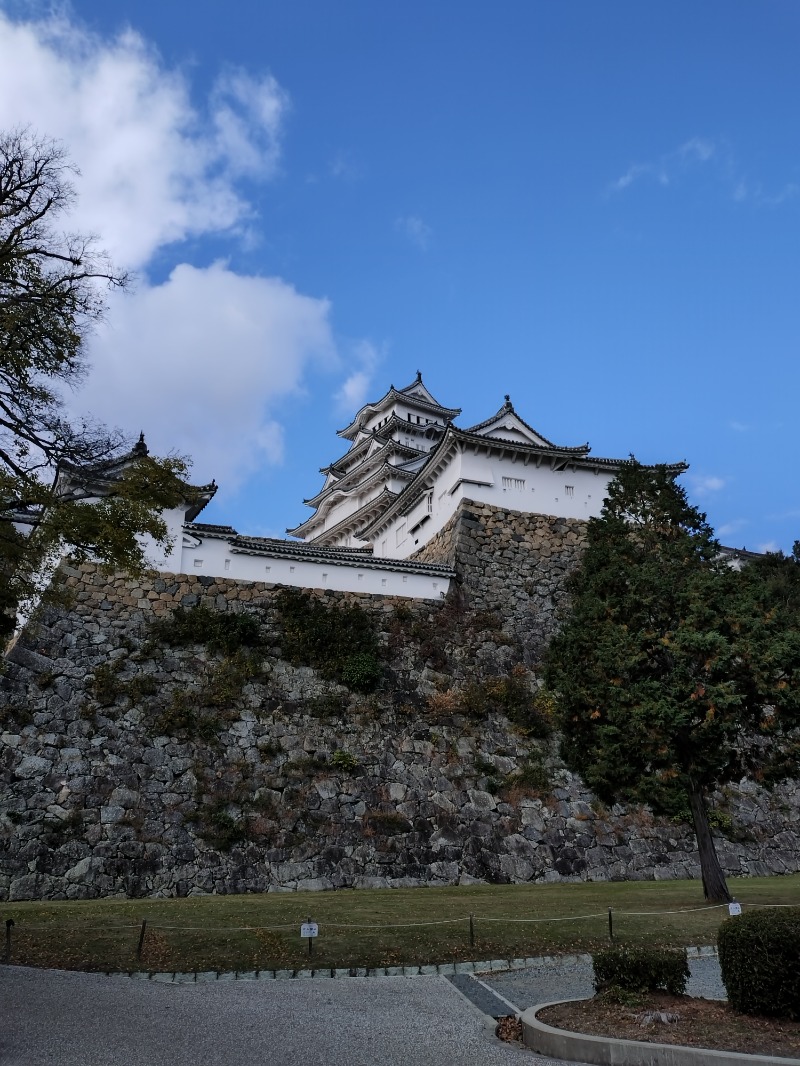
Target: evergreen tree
x,y
674,673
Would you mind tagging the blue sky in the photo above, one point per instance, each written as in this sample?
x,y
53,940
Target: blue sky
x,y
592,207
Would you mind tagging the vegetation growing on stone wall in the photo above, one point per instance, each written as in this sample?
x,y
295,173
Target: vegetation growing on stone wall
x,y
532,778
228,811
338,640
105,685
184,718
344,760
510,695
219,631
15,713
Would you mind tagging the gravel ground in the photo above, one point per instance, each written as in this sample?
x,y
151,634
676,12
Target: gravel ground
x,y
73,1019
572,978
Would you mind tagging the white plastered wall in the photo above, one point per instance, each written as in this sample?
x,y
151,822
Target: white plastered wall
x,y
215,557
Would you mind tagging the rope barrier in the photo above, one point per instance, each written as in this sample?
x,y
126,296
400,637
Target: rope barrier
x,y
571,918
684,910
112,930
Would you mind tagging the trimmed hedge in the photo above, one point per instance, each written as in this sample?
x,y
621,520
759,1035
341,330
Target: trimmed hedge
x,y
641,970
759,955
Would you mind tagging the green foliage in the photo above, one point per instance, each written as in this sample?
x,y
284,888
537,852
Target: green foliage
x,y
338,640
641,970
532,778
759,955
51,286
105,686
219,631
669,658
15,714
184,719
344,760
220,829
510,695
327,705
361,672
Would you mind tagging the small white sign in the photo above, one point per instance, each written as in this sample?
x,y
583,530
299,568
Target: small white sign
x,y
734,909
308,929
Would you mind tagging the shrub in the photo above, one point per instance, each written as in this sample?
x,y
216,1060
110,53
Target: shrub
x,y
641,970
361,672
344,760
220,631
759,955
337,639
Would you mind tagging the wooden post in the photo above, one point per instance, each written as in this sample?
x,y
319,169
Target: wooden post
x,y
472,930
610,925
9,925
140,945
310,940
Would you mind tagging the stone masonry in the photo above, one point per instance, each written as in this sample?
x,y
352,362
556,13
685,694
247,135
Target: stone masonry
x,y
132,767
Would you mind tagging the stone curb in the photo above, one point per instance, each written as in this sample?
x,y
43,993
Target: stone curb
x,y
563,1044
444,969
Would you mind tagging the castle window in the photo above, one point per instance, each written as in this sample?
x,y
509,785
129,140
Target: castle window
x,y
198,563
383,582
569,490
513,483
227,564
400,534
430,503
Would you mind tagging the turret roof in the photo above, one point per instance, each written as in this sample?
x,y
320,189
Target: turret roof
x,y
454,438
99,479
416,394
508,418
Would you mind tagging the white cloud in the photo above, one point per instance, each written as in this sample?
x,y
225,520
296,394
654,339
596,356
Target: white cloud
x,y
417,231
768,546
155,169
739,427
200,362
664,170
727,529
705,484
353,393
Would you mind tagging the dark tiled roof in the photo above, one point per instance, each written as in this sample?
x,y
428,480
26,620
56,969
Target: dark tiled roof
x,y
508,409
302,552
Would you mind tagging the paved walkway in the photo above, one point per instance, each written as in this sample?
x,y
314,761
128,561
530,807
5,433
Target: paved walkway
x,y
53,1018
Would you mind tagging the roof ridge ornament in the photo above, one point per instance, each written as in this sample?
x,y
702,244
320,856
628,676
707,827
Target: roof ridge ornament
x,y
140,448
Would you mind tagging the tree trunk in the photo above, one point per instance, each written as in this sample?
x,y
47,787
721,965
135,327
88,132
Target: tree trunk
x,y
715,887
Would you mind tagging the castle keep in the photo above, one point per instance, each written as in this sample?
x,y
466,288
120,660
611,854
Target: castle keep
x,y
201,730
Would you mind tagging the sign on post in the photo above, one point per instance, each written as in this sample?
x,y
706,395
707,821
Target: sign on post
x,y
309,930
734,909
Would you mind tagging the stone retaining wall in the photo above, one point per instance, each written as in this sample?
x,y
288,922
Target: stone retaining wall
x,y
132,767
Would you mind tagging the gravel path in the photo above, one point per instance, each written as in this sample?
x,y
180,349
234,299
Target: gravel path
x,y
572,977
52,1018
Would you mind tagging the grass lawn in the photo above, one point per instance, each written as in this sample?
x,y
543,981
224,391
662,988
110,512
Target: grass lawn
x,y
372,927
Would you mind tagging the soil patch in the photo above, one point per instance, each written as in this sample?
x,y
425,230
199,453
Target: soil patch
x,y
664,1019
